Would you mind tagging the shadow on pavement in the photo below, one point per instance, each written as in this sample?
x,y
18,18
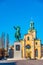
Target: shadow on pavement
x,y
11,63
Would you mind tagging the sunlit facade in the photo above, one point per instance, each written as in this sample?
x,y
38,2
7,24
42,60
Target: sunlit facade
x,y
31,45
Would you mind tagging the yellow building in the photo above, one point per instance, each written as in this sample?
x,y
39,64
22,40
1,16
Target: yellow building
x,y
31,46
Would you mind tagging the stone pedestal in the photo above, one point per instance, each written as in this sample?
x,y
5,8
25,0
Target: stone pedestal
x,y
17,50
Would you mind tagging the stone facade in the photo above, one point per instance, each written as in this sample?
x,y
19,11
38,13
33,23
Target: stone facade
x,y
42,50
31,45
17,50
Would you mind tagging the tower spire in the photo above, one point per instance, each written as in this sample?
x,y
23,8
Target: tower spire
x,y
31,25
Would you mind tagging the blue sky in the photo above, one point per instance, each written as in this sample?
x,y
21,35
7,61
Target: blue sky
x,y
19,13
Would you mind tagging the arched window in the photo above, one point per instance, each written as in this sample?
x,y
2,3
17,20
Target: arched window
x,y
28,46
27,38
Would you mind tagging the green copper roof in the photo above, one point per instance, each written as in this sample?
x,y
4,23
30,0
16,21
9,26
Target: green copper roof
x,y
31,26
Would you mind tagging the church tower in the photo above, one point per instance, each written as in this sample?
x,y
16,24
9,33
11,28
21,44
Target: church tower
x,y
32,30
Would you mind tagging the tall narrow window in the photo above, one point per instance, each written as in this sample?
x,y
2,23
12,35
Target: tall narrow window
x,y
27,38
36,53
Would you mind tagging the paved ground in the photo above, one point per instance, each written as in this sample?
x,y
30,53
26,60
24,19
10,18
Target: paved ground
x,y
22,62
29,62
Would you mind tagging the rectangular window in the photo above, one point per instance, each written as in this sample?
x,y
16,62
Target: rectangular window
x,y
17,47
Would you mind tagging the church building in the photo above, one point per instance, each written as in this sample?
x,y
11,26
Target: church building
x,y
31,45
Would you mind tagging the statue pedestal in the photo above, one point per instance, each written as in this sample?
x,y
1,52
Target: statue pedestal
x,y
17,50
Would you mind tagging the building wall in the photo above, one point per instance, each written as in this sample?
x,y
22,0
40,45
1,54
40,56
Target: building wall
x,y
29,40
22,48
38,47
33,33
11,53
42,50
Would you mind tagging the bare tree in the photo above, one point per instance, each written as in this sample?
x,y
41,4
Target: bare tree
x,y
3,44
3,39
